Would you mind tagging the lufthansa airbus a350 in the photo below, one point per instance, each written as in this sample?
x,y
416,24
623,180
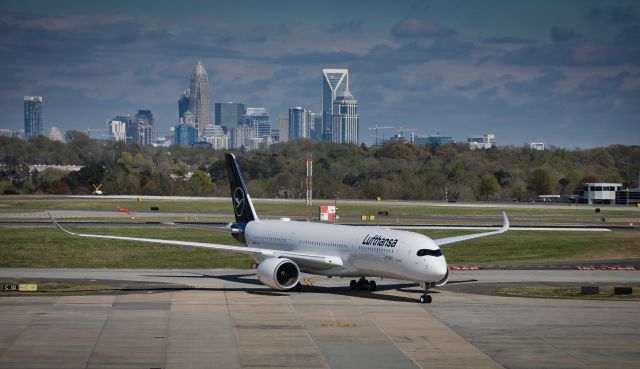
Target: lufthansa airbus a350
x,y
284,248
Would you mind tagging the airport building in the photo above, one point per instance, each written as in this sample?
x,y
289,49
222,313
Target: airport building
x,y
598,193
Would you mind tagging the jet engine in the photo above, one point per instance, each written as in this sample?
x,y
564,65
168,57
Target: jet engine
x,y
443,281
279,274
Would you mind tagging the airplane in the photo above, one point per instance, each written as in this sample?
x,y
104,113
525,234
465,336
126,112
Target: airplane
x,y
283,248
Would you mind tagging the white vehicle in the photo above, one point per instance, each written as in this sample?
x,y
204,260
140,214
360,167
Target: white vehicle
x,y
284,248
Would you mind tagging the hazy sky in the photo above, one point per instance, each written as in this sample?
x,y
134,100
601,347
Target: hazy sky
x,y
563,72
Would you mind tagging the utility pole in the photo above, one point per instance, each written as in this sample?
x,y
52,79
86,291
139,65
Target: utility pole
x,y
309,184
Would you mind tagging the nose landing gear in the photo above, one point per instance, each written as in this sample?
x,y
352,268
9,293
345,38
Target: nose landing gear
x,y
363,284
426,297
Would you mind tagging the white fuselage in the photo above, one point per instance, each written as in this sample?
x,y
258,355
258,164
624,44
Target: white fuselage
x,y
365,251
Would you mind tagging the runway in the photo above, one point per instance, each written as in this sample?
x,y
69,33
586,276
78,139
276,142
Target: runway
x,y
227,320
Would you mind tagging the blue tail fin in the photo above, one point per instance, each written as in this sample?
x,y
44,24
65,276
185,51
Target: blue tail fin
x,y
242,206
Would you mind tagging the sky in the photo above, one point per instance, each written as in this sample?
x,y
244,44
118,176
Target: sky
x,y
566,73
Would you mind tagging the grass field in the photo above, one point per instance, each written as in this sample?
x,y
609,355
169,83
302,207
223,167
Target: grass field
x,y
48,247
295,208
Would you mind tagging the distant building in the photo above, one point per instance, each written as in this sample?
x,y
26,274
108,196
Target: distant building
x,y
199,103
339,108
145,123
6,132
202,145
299,121
131,127
55,134
32,116
482,141
275,136
433,140
117,130
598,193
214,134
283,123
229,113
536,146
258,118
185,135
18,133
183,104
243,136
344,121
316,127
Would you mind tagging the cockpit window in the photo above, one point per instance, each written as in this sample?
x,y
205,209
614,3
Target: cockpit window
x,y
424,252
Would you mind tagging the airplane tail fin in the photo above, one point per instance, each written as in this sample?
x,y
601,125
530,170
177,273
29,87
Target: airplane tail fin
x,y
242,206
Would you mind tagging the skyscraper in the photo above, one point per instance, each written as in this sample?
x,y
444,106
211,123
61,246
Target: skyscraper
x,y
199,97
229,114
335,84
183,104
117,130
32,116
344,121
299,123
283,123
146,136
340,119
185,135
259,119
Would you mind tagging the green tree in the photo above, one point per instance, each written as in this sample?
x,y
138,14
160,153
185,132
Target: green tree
x,y
200,184
488,186
539,182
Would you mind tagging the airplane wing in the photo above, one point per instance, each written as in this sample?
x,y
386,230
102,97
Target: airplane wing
x,y
298,257
449,240
225,228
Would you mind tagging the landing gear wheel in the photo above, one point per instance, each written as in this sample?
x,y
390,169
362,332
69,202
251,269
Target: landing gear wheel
x,y
353,285
372,285
425,299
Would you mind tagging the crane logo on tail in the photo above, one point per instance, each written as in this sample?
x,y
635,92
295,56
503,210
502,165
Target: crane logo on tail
x,y
238,201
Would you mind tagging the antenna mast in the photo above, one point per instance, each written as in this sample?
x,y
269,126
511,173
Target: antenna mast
x,y
309,184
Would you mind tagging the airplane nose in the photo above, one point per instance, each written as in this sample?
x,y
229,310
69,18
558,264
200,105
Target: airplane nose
x,y
440,269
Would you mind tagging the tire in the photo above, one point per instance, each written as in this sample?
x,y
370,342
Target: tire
x,y
372,286
353,285
425,299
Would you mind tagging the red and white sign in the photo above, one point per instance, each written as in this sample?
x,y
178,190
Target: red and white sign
x,y
605,267
327,213
464,267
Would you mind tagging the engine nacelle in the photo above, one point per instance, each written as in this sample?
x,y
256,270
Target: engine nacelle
x,y
443,281
279,274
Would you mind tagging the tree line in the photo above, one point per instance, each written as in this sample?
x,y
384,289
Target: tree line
x,y
396,170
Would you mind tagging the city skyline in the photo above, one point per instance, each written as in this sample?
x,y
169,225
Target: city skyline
x,y
567,74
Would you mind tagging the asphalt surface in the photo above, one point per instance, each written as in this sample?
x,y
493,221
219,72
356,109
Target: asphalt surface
x,y
226,318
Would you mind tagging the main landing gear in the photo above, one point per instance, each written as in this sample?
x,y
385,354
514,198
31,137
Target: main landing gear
x,y
363,284
426,297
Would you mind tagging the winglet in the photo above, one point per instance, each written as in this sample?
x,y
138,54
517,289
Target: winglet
x,y
58,225
505,222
